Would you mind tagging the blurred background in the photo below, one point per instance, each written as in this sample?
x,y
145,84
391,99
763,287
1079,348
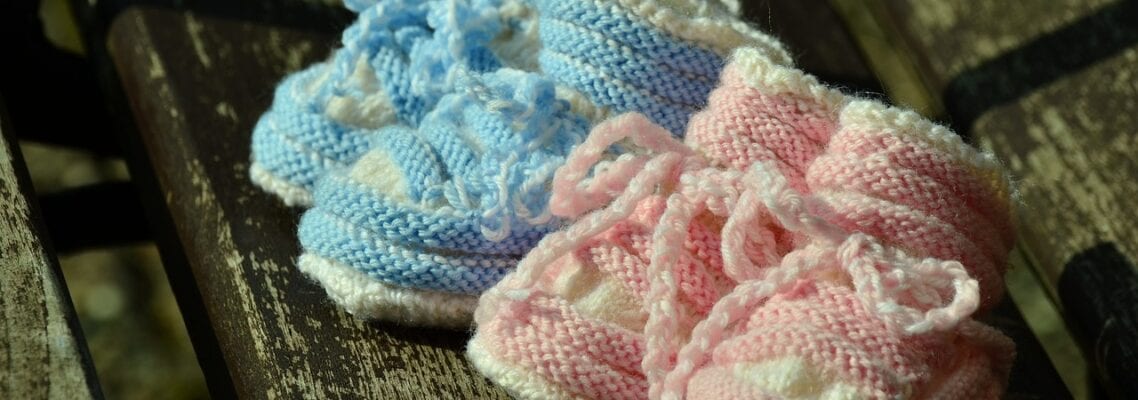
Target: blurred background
x,y
132,324
133,327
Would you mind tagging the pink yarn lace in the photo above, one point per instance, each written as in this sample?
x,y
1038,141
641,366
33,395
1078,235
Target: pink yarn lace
x,y
907,220
911,291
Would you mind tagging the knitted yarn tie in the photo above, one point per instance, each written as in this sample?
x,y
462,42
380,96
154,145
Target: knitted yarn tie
x,y
450,206
879,170
398,59
910,294
881,276
769,135
817,339
444,223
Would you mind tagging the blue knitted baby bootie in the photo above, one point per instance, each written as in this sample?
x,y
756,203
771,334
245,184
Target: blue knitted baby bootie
x,y
398,59
448,207
433,215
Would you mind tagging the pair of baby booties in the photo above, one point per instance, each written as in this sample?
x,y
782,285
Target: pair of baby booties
x,y
517,162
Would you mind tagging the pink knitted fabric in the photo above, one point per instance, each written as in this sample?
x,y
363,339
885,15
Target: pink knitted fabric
x,y
799,244
577,336
886,172
776,354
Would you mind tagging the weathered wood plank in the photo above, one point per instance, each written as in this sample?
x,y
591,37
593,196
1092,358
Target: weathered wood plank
x,y
197,85
42,351
1050,87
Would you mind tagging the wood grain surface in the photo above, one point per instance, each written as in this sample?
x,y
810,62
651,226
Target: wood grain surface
x,y
42,351
197,86
1051,87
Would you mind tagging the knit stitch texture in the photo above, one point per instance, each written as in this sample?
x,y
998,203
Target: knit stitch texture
x,y
450,206
799,244
398,59
625,56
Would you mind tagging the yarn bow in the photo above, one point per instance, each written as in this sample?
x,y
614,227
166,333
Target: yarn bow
x,y
916,295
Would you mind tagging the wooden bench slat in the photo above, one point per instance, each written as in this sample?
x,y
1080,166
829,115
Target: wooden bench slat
x,y
1050,87
42,351
197,85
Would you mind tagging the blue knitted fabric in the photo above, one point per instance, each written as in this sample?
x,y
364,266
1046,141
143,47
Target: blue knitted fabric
x,y
291,132
621,61
474,189
474,176
359,6
414,48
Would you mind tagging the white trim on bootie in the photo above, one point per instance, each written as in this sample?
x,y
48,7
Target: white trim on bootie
x,y
368,298
292,195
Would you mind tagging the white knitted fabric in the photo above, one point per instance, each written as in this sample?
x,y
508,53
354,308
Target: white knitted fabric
x,y
368,298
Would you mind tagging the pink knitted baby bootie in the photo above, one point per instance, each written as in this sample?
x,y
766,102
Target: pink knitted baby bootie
x,y
798,244
906,234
